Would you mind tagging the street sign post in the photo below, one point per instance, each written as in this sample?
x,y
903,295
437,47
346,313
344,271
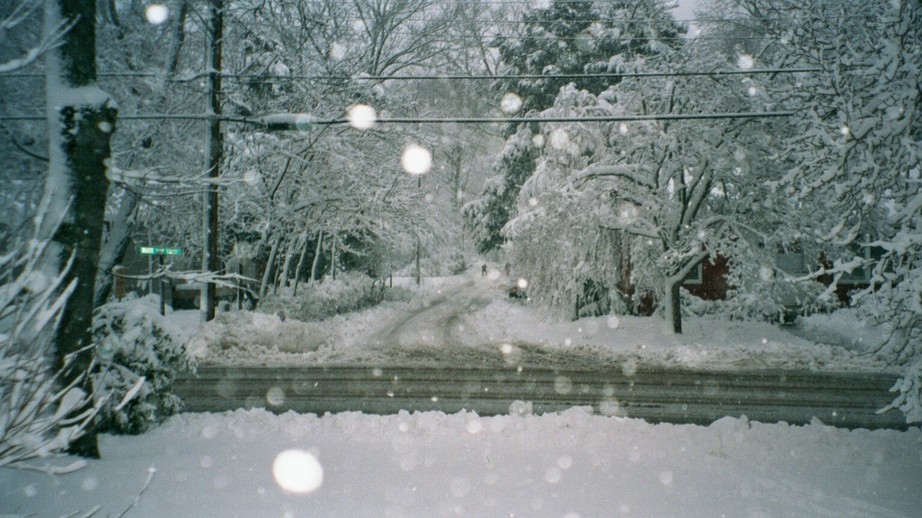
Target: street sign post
x,y
159,251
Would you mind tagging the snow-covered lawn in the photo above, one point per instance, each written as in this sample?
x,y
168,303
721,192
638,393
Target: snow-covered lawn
x,y
572,464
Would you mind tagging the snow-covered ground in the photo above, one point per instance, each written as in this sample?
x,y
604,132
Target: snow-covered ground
x,y
452,317
431,464
572,464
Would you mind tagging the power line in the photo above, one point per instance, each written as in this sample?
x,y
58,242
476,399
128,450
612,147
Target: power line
x,y
459,77
605,18
601,118
488,77
294,121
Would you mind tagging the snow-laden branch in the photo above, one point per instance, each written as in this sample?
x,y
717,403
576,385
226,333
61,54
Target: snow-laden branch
x,y
626,171
48,42
153,178
225,280
839,269
39,413
20,12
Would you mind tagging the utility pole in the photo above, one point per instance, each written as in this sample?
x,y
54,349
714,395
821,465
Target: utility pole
x,y
214,144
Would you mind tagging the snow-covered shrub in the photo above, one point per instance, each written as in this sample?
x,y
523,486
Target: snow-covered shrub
x,y
698,307
36,418
316,301
230,333
777,299
138,352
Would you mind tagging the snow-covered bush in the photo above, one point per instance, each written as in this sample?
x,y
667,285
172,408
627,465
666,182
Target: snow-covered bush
x,y
231,333
316,301
776,299
36,412
138,352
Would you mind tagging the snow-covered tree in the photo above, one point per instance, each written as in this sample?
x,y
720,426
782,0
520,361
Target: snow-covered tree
x,y
857,149
40,413
43,409
309,184
563,38
675,193
81,120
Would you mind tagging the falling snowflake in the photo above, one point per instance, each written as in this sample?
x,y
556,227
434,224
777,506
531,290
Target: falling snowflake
x,y
275,396
563,385
156,14
416,159
337,51
560,139
297,471
745,61
361,116
627,214
510,103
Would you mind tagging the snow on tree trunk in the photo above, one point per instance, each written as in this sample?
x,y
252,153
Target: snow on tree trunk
x,y
113,250
673,304
81,119
302,240
316,261
270,264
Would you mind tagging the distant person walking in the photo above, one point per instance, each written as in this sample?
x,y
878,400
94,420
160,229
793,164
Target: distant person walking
x,y
483,270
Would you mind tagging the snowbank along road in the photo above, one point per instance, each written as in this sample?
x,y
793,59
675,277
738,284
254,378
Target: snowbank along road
x,y
677,396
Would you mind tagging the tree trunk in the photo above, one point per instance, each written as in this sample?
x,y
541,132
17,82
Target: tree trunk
x,y
303,242
214,144
333,257
81,119
286,266
316,260
273,250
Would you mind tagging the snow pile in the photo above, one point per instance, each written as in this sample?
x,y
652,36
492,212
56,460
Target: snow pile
x,y
571,464
255,336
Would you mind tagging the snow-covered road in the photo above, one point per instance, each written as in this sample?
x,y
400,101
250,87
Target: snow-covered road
x,y
439,320
849,400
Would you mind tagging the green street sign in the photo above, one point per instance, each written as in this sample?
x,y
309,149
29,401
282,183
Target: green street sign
x,y
154,250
